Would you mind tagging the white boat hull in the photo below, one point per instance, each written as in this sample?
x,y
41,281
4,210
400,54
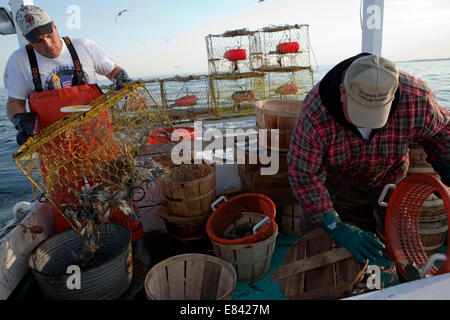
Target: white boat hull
x,y
16,246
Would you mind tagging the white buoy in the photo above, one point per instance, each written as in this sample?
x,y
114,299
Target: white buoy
x,y
20,207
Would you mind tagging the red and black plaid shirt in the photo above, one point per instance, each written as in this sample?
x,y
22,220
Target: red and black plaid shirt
x,y
325,150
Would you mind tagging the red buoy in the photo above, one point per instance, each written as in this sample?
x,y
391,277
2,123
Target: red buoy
x,y
288,47
243,95
235,54
290,88
187,101
164,135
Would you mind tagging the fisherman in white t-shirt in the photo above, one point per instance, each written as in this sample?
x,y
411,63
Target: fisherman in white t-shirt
x,y
56,69
51,73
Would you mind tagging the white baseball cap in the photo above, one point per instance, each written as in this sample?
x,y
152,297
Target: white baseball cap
x,y
33,21
370,82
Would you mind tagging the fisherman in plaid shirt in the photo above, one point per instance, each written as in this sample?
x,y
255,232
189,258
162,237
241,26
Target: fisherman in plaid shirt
x,y
353,131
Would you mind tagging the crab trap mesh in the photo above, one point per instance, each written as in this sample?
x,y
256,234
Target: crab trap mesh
x,y
186,98
85,164
228,52
278,47
234,95
293,84
153,86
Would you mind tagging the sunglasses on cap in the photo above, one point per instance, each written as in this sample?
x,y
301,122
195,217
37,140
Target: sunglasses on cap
x,y
44,29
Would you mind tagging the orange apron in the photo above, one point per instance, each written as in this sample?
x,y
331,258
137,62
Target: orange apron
x,y
47,104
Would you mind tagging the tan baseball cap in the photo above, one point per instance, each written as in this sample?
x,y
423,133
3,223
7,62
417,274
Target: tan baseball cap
x,y
33,21
370,82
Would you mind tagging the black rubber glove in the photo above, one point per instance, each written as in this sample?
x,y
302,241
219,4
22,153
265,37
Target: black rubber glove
x,y
121,79
24,124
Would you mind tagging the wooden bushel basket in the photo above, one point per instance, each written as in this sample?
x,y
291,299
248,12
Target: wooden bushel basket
x,y
289,216
184,228
192,198
417,160
251,261
433,219
314,269
191,276
280,115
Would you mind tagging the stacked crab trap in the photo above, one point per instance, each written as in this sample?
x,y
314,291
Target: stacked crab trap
x,y
184,97
282,53
245,66
234,87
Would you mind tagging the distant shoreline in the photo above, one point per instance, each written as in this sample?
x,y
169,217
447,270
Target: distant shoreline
x,y
424,60
106,82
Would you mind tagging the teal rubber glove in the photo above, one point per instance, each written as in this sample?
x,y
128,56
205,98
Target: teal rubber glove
x,y
361,244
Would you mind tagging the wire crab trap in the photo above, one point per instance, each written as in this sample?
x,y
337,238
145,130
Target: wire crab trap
x,y
228,52
153,86
235,95
294,84
86,163
186,98
276,48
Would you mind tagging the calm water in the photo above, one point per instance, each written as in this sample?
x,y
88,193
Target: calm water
x,y
14,186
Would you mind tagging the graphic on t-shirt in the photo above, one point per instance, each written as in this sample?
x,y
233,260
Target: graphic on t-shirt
x,y
61,78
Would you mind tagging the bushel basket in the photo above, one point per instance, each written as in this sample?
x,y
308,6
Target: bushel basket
x,y
240,208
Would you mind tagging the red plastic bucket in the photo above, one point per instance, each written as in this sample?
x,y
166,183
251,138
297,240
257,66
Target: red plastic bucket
x,y
403,239
164,135
232,210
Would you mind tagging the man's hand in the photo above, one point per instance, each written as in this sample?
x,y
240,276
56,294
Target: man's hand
x,y
361,244
121,79
24,124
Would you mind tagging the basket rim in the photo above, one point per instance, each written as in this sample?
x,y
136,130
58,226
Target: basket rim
x,y
106,261
246,245
169,217
173,184
237,198
263,106
161,264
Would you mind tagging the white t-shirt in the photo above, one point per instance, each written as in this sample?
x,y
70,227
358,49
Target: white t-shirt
x,y
55,73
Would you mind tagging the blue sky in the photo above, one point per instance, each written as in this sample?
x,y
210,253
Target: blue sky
x,y
155,36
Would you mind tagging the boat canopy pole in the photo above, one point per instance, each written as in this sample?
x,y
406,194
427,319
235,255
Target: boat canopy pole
x,y
15,5
372,25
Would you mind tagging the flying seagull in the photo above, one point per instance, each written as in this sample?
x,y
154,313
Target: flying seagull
x,y
120,13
